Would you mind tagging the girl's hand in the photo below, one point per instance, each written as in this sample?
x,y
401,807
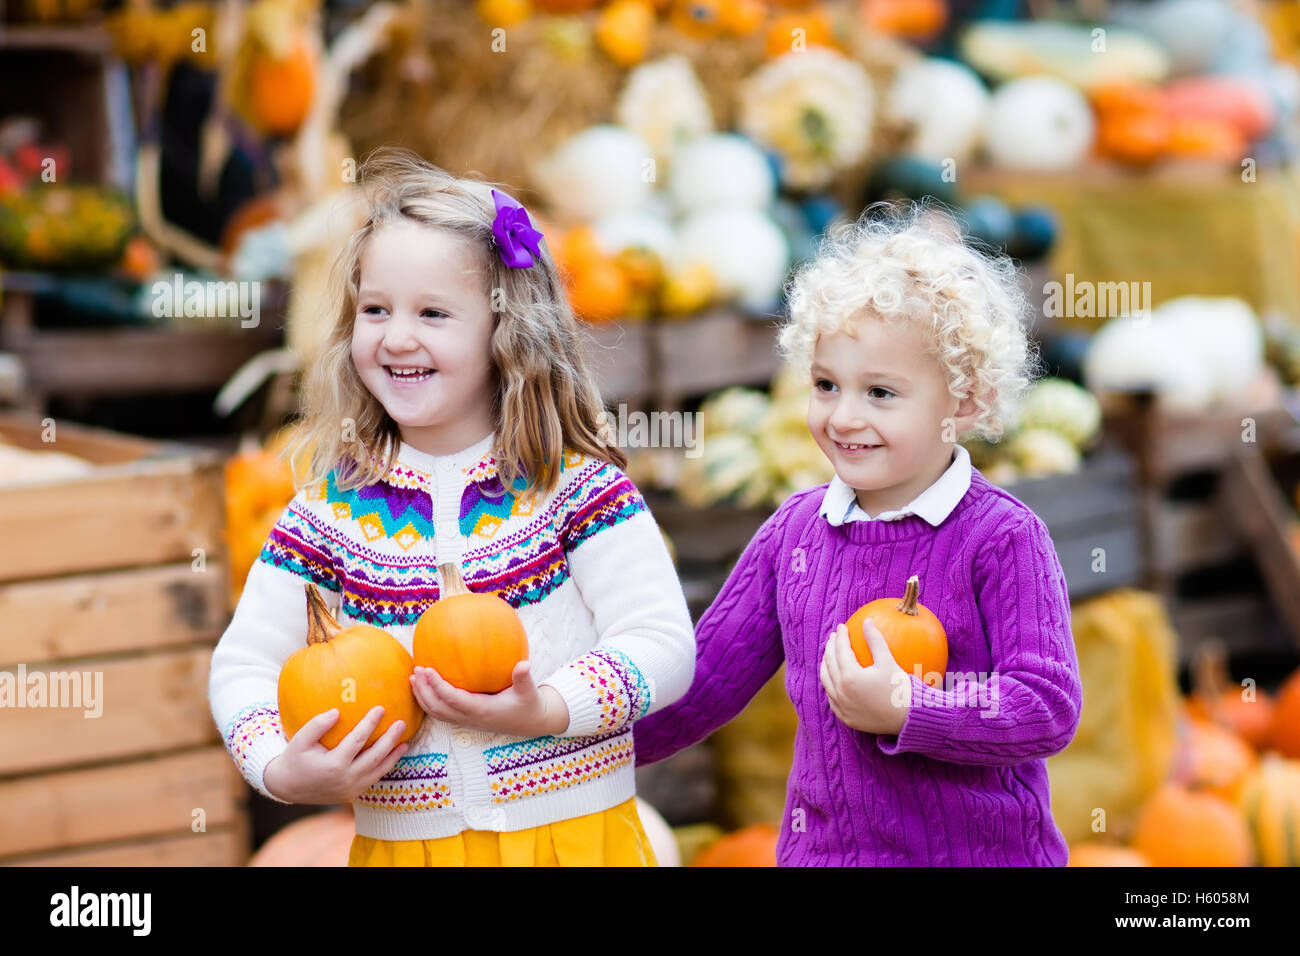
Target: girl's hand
x,y
308,773
873,699
521,710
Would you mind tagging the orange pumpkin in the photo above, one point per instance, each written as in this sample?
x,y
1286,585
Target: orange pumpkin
x,y
1215,759
623,30
815,24
354,669
914,19
752,846
1101,854
599,291
322,839
1178,826
1215,698
914,635
474,641
281,90
1286,718
1205,138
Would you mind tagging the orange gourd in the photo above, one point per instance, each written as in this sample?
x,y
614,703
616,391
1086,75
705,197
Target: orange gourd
x,y
322,839
1101,854
1215,698
1214,759
814,26
752,846
352,668
1286,718
914,19
281,89
474,641
1179,826
914,635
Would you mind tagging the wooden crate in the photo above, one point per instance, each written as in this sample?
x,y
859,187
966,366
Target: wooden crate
x,y
109,609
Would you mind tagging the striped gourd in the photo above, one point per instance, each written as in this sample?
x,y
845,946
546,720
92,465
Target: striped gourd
x,y
1270,801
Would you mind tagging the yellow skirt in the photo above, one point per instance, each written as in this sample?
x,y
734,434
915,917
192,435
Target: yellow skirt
x,y
612,837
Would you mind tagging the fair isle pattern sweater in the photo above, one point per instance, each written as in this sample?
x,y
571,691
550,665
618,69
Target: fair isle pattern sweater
x,y
965,781
586,569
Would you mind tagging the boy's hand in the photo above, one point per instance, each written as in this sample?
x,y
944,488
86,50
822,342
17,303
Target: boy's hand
x,y
873,699
521,710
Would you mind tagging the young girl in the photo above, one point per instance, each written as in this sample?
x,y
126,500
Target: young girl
x,y
910,341
464,426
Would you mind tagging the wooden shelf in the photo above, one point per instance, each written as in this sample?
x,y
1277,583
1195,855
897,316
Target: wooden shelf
x,y
92,40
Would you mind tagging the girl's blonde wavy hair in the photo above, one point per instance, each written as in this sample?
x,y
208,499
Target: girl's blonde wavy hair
x,y
907,263
545,398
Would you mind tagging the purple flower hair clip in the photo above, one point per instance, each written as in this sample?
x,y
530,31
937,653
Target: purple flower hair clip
x,y
517,239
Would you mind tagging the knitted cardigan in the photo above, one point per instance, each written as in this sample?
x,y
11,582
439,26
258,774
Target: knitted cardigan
x,y
965,781
585,567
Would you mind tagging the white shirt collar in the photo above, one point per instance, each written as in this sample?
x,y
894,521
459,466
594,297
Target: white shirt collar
x,y
464,459
840,503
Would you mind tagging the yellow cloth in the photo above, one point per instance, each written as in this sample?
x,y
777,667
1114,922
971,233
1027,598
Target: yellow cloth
x,y
612,837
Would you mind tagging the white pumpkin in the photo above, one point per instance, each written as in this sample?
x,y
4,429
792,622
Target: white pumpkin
x,y
598,172
746,251
660,835
944,104
720,170
1190,31
637,229
1038,123
1129,354
1225,335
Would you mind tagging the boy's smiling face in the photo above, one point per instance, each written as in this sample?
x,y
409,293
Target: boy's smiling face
x,y
878,411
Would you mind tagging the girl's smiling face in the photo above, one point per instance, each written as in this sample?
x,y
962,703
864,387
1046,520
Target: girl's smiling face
x,y
421,305
878,411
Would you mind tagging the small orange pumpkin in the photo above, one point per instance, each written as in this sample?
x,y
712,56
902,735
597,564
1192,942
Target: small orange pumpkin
x,y
1215,698
1179,826
281,90
914,635
752,846
474,641
1215,759
1102,854
1286,718
322,839
352,668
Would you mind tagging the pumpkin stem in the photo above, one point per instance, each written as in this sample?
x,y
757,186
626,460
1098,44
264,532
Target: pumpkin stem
x,y
321,624
908,604
1210,671
452,582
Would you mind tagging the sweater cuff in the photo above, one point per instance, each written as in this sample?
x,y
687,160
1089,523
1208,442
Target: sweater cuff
x,y
603,690
254,739
928,725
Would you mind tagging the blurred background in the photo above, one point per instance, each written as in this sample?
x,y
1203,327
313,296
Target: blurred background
x,y
175,179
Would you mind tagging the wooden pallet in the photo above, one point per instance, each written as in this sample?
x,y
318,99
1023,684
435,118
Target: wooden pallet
x,y
113,587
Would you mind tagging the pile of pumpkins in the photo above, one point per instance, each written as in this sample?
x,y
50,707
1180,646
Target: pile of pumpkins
x,y
1233,798
259,485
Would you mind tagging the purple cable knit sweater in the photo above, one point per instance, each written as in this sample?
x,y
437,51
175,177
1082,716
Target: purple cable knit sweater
x,y
965,781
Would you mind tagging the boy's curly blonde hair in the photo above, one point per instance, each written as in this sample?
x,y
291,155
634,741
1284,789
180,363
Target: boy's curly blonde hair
x,y
908,263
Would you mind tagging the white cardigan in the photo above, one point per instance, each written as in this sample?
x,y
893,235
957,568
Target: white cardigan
x,y
585,567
